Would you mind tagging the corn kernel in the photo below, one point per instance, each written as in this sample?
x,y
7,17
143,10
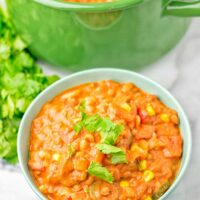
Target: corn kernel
x,y
142,165
165,117
148,198
126,107
150,110
56,156
148,175
136,148
124,183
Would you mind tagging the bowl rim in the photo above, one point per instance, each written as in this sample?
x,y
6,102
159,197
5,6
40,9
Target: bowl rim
x,y
184,164
87,7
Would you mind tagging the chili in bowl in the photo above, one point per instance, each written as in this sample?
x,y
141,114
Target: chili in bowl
x,y
104,134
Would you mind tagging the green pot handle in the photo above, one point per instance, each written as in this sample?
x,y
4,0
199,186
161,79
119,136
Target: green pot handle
x,y
182,8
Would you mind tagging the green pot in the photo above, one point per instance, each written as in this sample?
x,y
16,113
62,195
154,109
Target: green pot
x,y
124,33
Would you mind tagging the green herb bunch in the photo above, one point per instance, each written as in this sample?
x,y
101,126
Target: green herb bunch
x,y
21,80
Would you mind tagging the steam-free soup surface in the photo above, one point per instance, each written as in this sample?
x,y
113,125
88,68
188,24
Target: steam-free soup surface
x,y
105,141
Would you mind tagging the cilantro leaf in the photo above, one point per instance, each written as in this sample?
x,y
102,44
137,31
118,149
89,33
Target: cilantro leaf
x,y
95,123
92,122
117,154
106,125
110,136
78,127
95,169
118,158
82,106
108,149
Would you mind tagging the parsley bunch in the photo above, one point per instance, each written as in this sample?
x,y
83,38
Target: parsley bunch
x,y
21,80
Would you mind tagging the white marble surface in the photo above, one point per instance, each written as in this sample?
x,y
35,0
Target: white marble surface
x,y
179,71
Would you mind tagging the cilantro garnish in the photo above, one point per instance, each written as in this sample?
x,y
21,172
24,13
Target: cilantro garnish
x,y
108,149
78,127
104,126
117,158
109,132
95,169
117,154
